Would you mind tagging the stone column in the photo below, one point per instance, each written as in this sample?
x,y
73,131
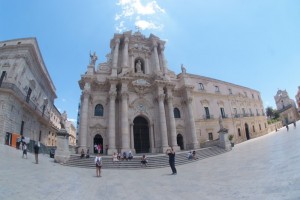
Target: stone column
x,y
172,123
157,67
162,123
191,122
124,119
111,121
84,120
115,57
125,52
62,153
147,64
164,67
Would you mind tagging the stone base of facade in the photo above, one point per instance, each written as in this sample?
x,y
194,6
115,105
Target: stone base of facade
x,y
193,146
164,149
112,151
176,148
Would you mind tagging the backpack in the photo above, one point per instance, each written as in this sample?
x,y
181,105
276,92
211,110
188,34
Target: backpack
x,y
98,162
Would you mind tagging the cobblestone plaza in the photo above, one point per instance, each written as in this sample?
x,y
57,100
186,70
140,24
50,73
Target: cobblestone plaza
x,y
263,168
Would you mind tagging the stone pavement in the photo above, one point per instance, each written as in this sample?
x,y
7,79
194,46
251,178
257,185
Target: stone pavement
x,y
265,168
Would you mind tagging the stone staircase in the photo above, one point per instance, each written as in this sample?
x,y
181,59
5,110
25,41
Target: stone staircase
x,y
154,161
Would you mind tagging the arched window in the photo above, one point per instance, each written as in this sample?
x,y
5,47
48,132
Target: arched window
x,y
98,110
176,113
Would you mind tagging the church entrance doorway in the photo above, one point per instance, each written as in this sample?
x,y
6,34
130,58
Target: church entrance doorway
x,y
247,131
98,140
141,135
180,141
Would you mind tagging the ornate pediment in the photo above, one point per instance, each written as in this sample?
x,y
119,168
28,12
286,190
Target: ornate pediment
x,y
141,86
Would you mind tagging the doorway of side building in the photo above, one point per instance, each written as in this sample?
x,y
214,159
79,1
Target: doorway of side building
x,y
247,131
98,140
141,135
180,141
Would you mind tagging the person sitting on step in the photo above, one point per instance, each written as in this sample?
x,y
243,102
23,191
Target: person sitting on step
x,y
82,153
124,157
144,161
130,156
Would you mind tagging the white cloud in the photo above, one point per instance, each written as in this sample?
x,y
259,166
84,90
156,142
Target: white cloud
x,y
147,25
64,100
134,12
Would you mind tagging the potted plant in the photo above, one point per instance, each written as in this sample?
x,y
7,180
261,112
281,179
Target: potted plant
x,y
230,138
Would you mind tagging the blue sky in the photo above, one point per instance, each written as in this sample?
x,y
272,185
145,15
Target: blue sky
x,y
250,43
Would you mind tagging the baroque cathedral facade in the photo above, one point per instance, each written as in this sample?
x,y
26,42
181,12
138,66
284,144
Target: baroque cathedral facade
x,y
134,102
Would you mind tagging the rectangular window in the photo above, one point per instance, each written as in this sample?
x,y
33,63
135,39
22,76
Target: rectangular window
x,y
207,115
200,86
257,112
217,89
252,96
2,77
222,112
245,94
251,114
230,91
28,95
210,136
243,110
235,111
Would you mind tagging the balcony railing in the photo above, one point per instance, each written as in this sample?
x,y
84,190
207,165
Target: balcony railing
x,y
236,115
30,103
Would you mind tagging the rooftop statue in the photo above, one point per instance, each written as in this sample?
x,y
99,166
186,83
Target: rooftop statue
x,y
93,58
183,70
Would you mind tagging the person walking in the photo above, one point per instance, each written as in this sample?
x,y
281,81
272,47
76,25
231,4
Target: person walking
x,y
24,150
36,152
171,154
98,162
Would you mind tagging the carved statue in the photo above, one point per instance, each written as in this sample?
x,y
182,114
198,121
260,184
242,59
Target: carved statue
x,y
138,66
221,123
93,58
183,70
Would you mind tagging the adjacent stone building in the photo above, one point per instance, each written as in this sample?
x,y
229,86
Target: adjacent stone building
x,y
55,118
27,92
298,99
286,107
134,102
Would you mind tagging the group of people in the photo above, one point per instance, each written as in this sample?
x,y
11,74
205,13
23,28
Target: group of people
x,y
24,148
98,148
82,154
287,126
127,155
191,155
